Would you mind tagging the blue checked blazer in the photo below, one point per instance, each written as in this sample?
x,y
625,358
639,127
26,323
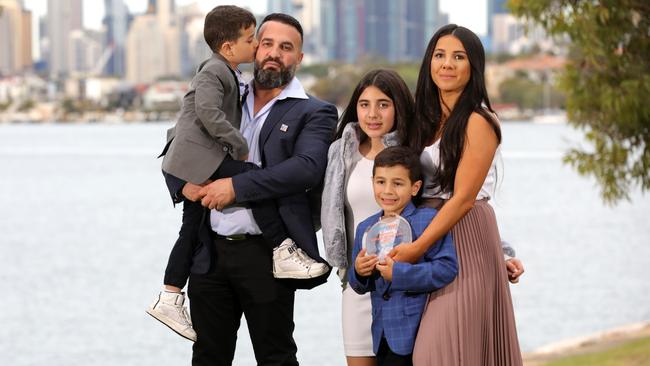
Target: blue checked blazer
x,y
397,306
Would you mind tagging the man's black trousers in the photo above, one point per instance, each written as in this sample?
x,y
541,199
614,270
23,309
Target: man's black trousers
x,y
240,281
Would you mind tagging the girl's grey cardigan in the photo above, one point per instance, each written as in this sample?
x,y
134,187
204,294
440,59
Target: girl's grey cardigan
x,y
342,156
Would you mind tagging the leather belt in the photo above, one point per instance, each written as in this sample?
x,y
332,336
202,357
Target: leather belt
x,y
235,237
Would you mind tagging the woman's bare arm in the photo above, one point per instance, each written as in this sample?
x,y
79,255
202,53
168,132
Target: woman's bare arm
x,y
478,153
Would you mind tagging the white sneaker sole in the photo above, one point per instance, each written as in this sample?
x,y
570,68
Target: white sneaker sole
x,y
298,275
170,323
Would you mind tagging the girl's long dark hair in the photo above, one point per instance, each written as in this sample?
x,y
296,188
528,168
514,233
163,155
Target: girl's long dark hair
x,y
474,98
391,84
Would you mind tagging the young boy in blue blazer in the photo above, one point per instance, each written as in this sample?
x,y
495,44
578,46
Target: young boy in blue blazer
x,y
399,290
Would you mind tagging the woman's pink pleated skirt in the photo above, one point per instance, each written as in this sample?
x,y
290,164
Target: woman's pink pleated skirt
x,y
470,322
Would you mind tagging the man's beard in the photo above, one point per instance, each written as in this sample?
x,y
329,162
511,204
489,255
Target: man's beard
x,y
271,79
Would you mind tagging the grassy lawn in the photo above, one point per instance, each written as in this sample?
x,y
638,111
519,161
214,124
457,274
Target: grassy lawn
x,y
634,353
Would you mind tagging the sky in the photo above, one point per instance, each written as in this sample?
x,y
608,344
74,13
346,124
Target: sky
x,y
94,11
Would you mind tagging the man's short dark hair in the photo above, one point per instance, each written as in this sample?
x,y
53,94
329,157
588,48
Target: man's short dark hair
x,y
402,156
285,19
224,24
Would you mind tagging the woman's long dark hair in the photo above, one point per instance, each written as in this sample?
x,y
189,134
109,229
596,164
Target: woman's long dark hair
x,y
474,98
391,84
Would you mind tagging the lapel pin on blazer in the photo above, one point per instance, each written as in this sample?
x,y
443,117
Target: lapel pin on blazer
x,y
284,128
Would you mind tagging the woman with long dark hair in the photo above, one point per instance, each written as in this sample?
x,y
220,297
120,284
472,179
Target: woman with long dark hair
x,y
379,114
471,321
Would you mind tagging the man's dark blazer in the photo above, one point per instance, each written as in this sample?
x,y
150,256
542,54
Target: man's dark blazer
x,y
293,143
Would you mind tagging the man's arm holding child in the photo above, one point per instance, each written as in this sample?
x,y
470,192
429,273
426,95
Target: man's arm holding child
x,y
303,170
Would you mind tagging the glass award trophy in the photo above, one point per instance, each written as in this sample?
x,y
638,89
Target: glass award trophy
x,y
388,232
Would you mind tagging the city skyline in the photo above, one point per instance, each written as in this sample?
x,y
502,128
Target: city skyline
x,y
142,59
93,13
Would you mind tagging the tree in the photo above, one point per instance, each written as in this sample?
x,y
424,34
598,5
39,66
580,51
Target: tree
x,y
336,82
607,85
26,105
529,93
522,91
4,106
338,87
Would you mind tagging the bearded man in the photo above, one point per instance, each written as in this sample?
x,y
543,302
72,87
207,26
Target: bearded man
x,y
288,133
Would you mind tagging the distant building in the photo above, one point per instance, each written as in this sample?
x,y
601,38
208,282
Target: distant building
x,y
116,23
153,45
350,30
400,30
25,93
308,13
193,48
284,6
145,50
97,89
494,7
151,7
166,95
26,40
15,37
63,17
84,50
513,36
42,66
539,68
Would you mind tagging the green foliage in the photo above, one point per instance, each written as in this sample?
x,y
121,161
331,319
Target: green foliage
x,y
521,91
529,94
409,72
338,85
336,82
635,353
499,58
26,105
319,70
4,106
607,85
69,106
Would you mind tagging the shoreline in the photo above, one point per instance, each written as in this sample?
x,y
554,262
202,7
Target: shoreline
x,y
587,344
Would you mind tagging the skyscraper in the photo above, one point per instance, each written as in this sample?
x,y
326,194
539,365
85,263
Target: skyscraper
x,y
391,30
347,27
145,50
153,45
15,37
165,10
151,7
284,6
116,25
63,17
308,12
494,7
85,49
193,48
